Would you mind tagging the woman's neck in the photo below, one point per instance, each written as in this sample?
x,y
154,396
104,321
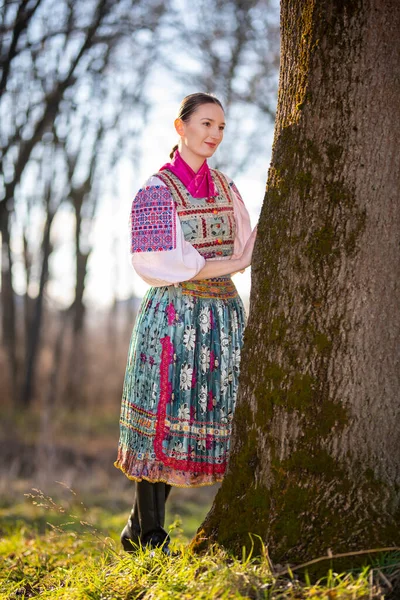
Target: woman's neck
x,y
193,160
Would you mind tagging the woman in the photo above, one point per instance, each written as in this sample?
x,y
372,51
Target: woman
x,y
189,232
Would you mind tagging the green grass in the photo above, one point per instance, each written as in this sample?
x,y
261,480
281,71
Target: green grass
x,y
49,550
70,566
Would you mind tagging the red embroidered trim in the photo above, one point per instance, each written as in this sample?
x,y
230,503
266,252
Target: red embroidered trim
x,y
167,354
215,243
166,178
223,183
205,210
204,225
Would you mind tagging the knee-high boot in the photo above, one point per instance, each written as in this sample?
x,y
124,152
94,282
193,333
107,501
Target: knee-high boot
x,y
131,534
151,508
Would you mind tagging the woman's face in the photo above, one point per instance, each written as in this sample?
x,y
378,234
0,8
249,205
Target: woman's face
x,y
203,133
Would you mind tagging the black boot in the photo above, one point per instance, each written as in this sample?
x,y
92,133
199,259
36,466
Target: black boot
x,y
151,499
130,535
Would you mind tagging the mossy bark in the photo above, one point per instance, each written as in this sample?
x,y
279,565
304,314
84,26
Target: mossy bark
x,y
315,460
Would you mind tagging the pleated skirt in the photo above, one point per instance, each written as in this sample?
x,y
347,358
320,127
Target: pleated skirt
x,y
181,383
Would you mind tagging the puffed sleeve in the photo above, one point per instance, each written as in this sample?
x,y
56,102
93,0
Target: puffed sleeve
x,y
242,221
159,252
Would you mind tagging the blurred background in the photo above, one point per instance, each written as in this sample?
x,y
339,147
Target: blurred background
x,y
88,95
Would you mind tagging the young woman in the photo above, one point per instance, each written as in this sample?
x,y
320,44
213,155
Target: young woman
x,y
189,232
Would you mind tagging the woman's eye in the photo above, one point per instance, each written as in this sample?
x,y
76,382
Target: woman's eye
x,y
222,128
207,123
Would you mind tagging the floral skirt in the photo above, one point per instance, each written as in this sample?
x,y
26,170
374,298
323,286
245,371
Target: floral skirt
x,y
181,383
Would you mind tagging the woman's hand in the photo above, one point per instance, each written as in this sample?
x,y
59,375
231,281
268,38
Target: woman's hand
x,y
245,259
228,266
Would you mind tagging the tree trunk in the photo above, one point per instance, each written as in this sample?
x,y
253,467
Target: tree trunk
x,y
8,308
79,306
74,391
35,325
315,461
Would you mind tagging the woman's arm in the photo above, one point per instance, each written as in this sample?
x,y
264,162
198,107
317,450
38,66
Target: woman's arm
x,y
218,268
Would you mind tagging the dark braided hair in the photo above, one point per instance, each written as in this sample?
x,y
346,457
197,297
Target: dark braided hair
x,y
190,104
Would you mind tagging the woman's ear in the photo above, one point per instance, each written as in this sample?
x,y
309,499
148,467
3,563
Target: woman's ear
x,y
179,128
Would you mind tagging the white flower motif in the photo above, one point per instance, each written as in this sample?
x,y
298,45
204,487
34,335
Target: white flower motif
x,y
186,377
189,337
184,412
203,399
236,358
224,340
201,444
226,378
234,321
220,308
189,304
222,415
204,319
204,358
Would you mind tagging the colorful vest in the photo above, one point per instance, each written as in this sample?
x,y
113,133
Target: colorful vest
x,y
207,223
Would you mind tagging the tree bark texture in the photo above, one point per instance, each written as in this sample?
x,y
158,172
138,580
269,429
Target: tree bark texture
x,y
315,461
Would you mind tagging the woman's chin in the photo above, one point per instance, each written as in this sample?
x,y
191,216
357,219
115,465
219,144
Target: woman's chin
x,y
208,152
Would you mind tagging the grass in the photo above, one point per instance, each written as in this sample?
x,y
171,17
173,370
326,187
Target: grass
x,y
64,565
66,551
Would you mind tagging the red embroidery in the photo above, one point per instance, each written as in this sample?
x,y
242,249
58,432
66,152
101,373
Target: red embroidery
x,y
203,222
214,243
212,360
223,183
210,404
166,178
171,314
162,429
206,210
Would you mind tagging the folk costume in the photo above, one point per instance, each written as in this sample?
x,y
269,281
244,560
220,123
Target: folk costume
x,y
183,363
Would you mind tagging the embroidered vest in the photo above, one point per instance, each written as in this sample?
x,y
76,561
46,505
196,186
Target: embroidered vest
x,y
207,223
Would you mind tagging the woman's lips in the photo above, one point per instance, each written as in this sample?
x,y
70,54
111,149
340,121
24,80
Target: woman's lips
x,y
210,144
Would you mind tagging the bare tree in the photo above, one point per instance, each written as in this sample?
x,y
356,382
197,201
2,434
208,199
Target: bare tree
x,y
232,50
46,72
34,318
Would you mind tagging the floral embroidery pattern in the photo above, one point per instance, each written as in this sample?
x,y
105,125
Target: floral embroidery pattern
x,y
204,320
186,377
189,337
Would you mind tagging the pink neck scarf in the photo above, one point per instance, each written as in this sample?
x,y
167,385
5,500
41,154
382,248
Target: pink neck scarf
x,y
200,184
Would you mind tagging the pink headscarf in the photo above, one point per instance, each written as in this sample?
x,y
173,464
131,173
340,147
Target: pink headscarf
x,y
200,184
